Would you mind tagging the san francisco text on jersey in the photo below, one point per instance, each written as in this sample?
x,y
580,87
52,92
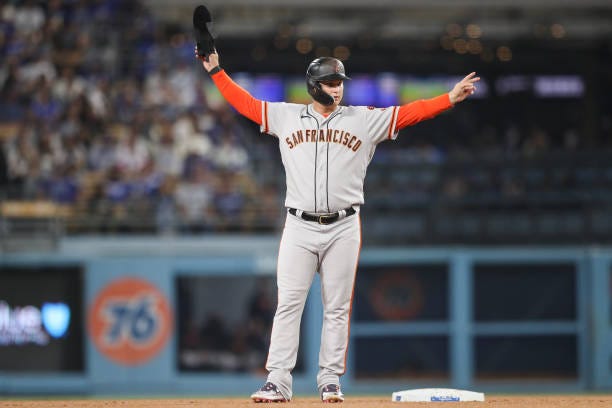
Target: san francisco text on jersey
x,y
325,136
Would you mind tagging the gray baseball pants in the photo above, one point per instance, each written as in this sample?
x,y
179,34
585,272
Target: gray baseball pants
x,y
307,247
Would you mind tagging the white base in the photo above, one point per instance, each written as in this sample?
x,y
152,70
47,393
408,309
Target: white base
x,y
436,395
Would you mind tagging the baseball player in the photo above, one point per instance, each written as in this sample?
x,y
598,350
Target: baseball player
x,y
325,149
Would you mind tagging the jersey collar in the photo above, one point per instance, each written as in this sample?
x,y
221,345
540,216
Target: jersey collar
x,y
309,111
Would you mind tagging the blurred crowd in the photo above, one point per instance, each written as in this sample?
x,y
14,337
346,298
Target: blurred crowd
x,y
105,112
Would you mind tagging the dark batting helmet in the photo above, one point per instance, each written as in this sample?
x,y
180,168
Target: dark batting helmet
x,y
321,70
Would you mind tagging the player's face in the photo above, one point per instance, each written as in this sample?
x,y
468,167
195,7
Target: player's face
x,y
334,88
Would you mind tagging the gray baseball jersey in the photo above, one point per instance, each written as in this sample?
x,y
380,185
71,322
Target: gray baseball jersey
x,y
325,158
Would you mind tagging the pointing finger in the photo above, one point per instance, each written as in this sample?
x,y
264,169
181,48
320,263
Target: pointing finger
x,y
470,75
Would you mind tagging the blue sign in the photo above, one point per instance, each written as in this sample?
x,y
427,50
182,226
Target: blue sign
x,y
56,318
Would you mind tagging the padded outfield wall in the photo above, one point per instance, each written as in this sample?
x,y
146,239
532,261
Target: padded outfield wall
x,y
192,315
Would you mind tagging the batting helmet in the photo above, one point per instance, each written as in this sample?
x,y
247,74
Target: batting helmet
x,y
321,70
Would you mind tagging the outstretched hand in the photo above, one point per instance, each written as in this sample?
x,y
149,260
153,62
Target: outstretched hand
x,y
463,88
210,61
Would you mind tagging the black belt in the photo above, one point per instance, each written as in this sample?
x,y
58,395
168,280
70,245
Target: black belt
x,y
324,219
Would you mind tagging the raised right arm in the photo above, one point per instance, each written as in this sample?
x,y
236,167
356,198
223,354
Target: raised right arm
x,y
233,93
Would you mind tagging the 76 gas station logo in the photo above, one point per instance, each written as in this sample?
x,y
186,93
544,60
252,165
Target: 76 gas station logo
x,y
130,321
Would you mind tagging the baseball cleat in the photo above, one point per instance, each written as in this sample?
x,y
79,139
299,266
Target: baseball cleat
x,y
332,393
268,393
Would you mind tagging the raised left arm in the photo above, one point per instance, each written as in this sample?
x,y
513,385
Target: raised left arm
x,y
417,111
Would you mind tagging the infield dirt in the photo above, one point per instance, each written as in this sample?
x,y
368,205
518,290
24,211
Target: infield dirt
x,y
499,401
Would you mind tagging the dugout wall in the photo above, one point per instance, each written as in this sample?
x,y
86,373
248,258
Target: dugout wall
x,y
190,316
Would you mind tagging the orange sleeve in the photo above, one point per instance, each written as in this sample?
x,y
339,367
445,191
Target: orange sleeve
x,y
418,111
238,97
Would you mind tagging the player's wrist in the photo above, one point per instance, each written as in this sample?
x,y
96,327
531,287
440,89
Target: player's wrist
x,y
214,70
